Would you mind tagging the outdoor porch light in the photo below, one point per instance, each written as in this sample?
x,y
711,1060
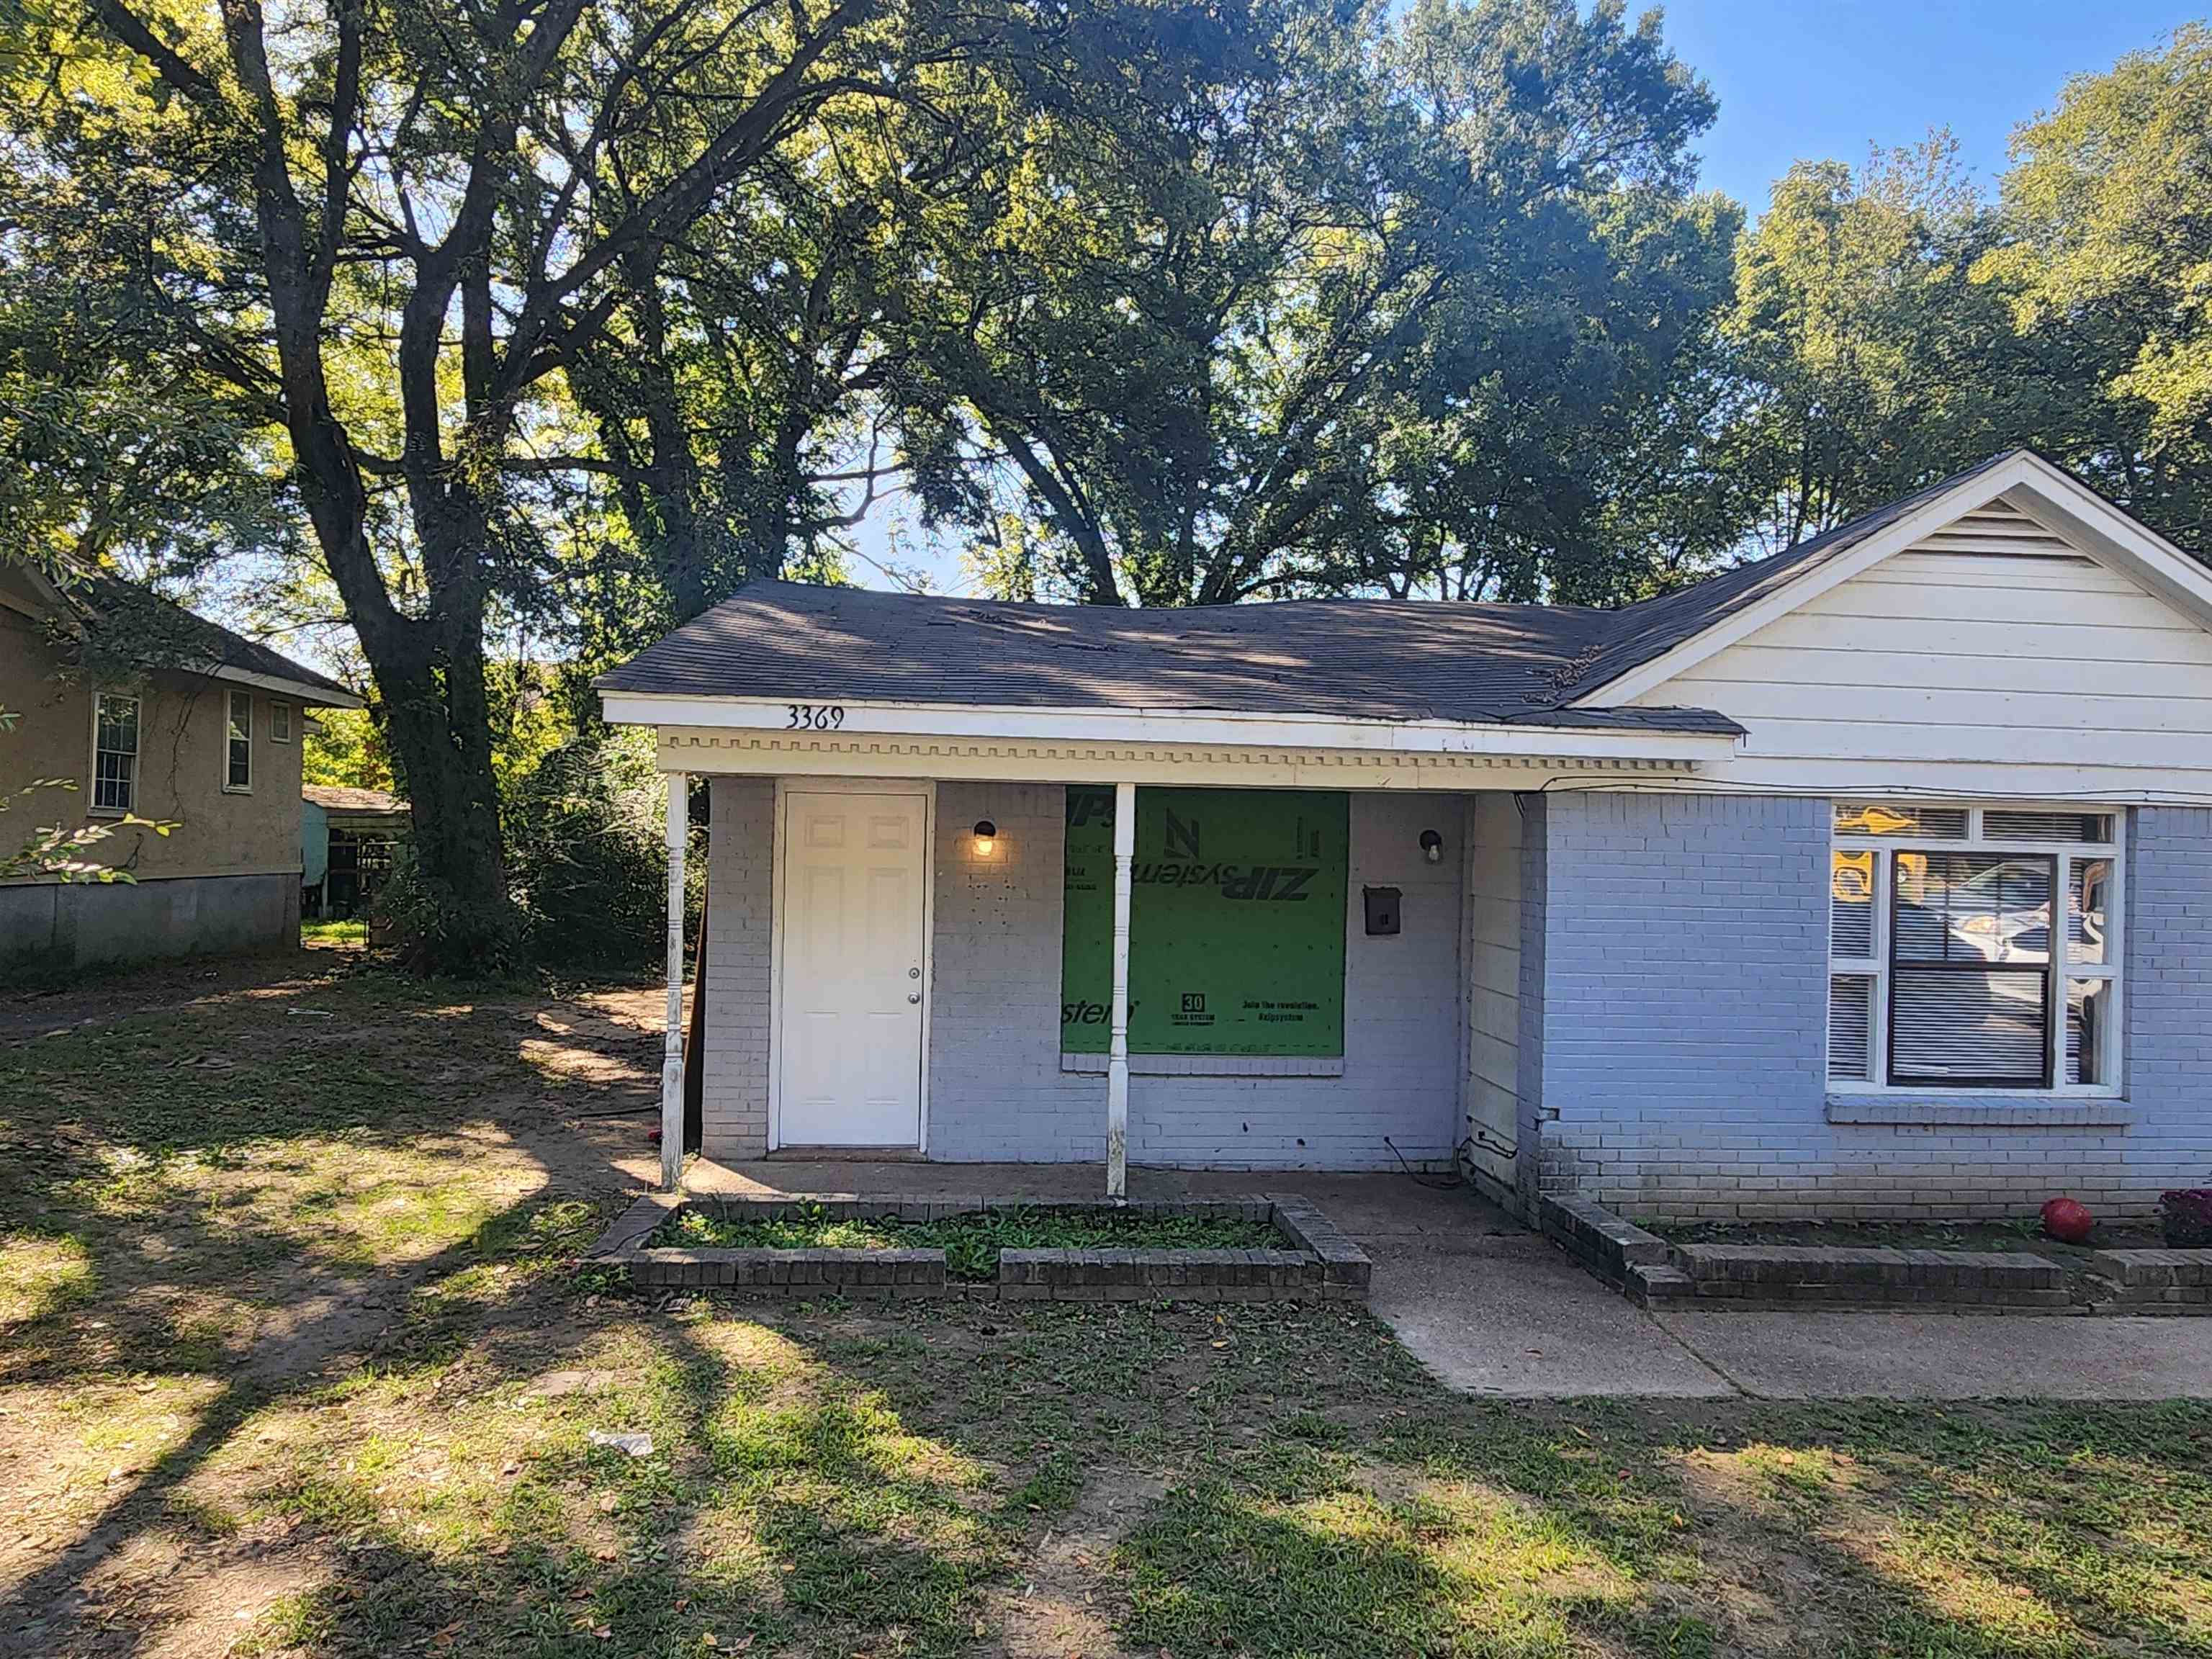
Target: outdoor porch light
x,y
987,838
1432,845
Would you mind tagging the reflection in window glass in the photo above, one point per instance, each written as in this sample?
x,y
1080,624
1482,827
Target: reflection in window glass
x,y
1972,906
2088,1002
2089,892
1863,817
1850,904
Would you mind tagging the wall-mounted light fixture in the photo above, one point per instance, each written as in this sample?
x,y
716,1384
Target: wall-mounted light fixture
x,y
1433,847
987,838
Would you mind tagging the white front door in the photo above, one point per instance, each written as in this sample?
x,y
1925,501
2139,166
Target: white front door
x,y
856,870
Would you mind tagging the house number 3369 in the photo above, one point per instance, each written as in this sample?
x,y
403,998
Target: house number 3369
x,y
816,716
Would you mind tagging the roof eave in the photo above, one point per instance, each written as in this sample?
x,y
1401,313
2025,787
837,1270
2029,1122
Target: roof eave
x,y
1233,728
303,691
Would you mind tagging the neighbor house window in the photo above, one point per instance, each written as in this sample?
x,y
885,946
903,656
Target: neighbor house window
x,y
1945,968
238,742
114,753
279,722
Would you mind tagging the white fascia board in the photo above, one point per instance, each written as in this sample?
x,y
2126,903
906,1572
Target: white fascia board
x,y
2071,510
1213,727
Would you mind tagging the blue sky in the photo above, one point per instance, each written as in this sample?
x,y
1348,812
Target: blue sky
x,y
1825,78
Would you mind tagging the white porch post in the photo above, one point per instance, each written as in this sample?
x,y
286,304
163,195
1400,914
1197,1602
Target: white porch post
x,y
672,1065
1117,1051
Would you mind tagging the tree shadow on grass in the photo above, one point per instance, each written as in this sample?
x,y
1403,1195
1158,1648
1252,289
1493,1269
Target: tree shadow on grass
x,y
205,1178
1871,1527
217,1202
56,1595
781,1508
1311,1492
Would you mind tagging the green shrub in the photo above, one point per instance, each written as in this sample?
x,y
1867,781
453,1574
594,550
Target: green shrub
x,y
434,929
587,856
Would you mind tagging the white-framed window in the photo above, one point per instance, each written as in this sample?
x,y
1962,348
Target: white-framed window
x,y
114,753
1945,969
238,742
279,722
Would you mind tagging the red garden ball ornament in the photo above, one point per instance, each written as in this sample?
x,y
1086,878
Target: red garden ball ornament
x,y
2068,1221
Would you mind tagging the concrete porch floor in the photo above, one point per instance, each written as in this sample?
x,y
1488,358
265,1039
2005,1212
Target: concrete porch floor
x,y
1492,1308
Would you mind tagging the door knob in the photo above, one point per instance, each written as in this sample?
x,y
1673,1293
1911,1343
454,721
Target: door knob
x,y
913,996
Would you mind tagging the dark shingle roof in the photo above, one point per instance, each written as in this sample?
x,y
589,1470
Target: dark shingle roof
x,y
184,635
1387,660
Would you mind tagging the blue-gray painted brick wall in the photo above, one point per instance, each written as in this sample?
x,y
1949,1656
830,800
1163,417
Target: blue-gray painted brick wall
x,y
995,1086
1683,948
740,865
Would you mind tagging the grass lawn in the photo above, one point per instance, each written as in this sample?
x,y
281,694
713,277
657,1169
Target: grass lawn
x,y
292,1362
334,933
971,1243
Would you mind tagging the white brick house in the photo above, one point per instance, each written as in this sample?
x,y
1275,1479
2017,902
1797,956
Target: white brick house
x,y
1874,879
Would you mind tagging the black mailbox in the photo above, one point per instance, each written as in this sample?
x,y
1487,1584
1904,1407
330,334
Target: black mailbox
x,y
1382,909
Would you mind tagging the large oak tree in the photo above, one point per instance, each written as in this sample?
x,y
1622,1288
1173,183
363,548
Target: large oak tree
x,y
388,230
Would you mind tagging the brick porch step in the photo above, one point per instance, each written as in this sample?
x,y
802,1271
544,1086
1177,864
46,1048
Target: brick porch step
x,y
1881,1275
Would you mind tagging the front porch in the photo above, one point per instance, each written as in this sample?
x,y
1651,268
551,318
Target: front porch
x,y
1330,984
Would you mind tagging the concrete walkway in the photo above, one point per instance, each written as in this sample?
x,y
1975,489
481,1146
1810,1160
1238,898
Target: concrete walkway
x,y
1493,1309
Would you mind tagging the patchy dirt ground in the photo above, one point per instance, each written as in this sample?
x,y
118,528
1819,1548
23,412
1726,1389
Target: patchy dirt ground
x,y
294,1360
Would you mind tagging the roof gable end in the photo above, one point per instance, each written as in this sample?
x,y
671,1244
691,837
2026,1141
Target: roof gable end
x,y
2017,505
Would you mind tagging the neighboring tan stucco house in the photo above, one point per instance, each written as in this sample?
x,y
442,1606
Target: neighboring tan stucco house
x,y
210,740
1871,879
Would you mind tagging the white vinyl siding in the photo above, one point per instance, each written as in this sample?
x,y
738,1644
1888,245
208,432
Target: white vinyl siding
x,y
1946,968
1989,658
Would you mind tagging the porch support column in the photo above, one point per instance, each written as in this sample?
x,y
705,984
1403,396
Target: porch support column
x,y
672,1064
1117,1050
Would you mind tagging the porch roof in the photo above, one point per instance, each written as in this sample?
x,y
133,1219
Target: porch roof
x,y
1492,664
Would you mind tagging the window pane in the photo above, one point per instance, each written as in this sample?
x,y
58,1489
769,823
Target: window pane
x,y
1850,906
1889,817
2047,826
2091,884
239,773
2088,1003
1967,1026
118,724
112,780
1851,1007
1970,908
115,753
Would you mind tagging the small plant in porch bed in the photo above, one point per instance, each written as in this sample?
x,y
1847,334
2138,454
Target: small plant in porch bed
x,y
2185,1219
971,1243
